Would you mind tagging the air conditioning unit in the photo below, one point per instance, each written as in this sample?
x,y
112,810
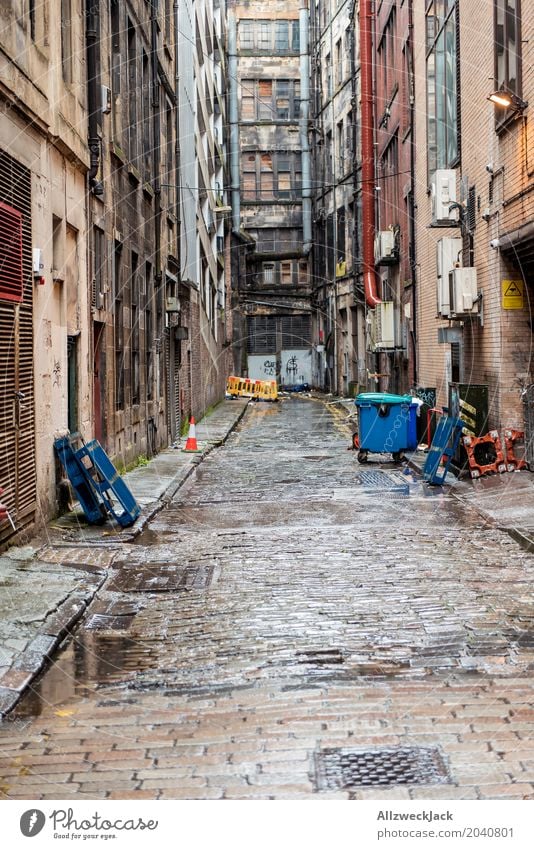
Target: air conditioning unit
x,y
463,292
443,195
172,304
105,99
385,248
381,327
385,325
448,255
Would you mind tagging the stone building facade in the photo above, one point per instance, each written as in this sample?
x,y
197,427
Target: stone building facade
x,y
114,231
44,306
270,181
340,328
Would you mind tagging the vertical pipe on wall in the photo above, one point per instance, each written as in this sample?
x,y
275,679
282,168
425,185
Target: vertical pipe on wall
x,y
234,122
92,41
303,125
413,254
368,153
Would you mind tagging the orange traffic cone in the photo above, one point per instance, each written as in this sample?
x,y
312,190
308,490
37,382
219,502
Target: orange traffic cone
x,y
191,444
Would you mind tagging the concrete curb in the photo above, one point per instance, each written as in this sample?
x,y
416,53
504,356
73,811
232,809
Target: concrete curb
x,y
59,623
180,478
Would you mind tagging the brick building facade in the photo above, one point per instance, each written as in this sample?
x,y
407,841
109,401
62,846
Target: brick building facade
x,y
475,200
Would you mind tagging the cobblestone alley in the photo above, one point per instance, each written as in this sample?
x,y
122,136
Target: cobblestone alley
x,y
288,623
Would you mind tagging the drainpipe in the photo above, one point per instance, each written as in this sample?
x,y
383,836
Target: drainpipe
x,y
413,254
177,181
92,42
368,153
234,122
303,124
156,153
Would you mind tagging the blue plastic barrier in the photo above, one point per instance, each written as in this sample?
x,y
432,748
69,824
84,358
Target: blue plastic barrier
x,y
95,481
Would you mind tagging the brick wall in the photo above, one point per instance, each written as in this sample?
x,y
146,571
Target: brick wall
x,y
496,352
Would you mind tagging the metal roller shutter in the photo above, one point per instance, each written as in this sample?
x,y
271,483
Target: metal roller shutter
x,y
17,416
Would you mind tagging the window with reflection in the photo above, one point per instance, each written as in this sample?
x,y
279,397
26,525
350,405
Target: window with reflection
x,y
507,16
442,84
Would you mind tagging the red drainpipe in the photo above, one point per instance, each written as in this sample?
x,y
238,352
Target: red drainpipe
x,y
368,154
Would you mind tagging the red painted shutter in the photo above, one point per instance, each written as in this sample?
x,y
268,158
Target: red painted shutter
x,y
11,288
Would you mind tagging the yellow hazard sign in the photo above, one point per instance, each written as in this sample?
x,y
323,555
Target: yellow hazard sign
x,y
512,294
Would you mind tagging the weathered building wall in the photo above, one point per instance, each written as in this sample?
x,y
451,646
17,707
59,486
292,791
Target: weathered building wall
x,y
339,320
275,263
494,187
42,127
393,121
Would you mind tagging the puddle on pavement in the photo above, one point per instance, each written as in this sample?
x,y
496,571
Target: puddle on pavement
x,y
150,537
88,660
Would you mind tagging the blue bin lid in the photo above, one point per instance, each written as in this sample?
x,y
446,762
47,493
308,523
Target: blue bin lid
x,y
381,398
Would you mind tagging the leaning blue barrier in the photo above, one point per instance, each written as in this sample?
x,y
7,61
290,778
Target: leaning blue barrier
x,y
444,444
96,481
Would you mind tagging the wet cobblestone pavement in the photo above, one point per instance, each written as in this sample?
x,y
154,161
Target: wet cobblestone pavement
x,y
283,607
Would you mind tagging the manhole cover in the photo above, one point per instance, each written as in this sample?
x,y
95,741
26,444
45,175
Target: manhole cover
x,y
338,769
158,578
385,481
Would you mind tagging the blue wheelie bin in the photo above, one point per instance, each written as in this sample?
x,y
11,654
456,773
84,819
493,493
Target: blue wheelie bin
x,y
386,423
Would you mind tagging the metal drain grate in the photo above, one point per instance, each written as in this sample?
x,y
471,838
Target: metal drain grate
x,y
338,769
385,481
159,578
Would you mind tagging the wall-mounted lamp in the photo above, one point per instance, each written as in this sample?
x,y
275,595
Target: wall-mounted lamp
x,y
507,100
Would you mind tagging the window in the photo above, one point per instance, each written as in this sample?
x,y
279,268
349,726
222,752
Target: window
x,y
342,159
268,272
265,98
31,10
266,176
134,339
281,40
387,62
271,175
133,132
286,272
66,41
441,77
274,37
389,167
282,240
119,323
115,48
508,45
149,334
270,100
328,75
145,110
11,280
339,63
246,35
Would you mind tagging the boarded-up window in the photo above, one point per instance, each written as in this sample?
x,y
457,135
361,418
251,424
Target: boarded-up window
x,y
265,97
286,271
11,288
266,176
248,108
249,176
